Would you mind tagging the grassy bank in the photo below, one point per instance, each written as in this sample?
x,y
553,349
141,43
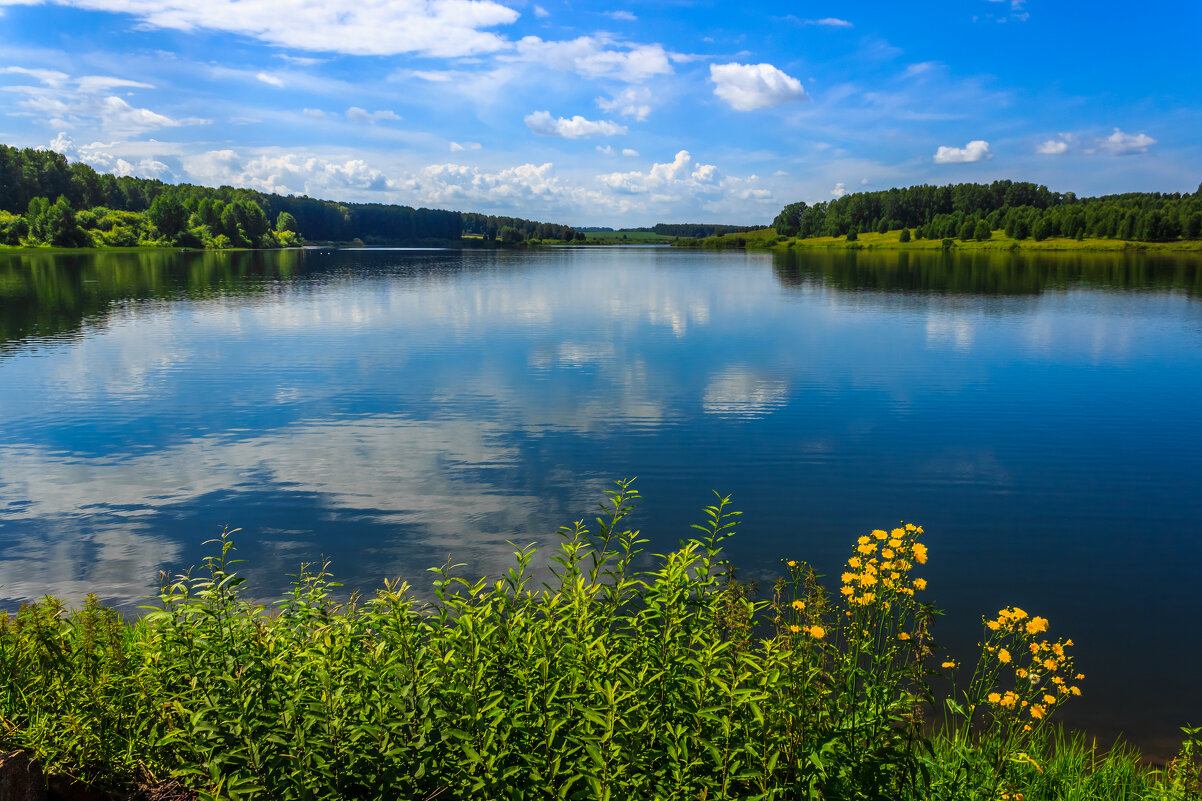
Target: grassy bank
x,y
605,682
767,238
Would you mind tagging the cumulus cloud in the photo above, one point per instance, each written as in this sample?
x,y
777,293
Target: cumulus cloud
x,y
356,114
976,150
355,27
459,147
596,57
1124,144
541,12
623,16
840,189
746,87
608,150
1054,147
679,175
99,157
315,113
629,151
633,101
63,102
285,174
543,124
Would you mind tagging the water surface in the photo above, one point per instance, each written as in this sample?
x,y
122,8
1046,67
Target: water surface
x,y
1039,415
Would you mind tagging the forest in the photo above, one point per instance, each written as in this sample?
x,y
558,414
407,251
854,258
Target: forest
x,y
45,200
1023,210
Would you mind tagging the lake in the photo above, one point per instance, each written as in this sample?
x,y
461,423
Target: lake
x,y
1039,415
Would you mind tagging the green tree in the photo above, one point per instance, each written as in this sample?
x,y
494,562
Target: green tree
x,y
905,235
981,231
882,227
285,222
168,215
966,231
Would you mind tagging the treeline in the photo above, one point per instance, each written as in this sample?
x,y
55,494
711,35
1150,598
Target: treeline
x,y
698,230
1023,210
45,200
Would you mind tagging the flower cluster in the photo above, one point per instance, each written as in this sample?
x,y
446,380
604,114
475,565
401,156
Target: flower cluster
x,y
1040,670
881,567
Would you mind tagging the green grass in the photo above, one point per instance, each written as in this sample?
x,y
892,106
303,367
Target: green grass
x,y
600,679
627,238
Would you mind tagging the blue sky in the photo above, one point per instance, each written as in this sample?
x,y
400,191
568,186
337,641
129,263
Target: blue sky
x,y
609,113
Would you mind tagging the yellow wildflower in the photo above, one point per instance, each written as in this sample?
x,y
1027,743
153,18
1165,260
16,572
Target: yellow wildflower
x,y
920,553
1003,656
1022,674
794,629
1049,699
817,632
1037,625
911,527
864,540
1050,664
847,578
854,562
1057,649
887,553
897,532
903,636
866,549
948,664
867,580
895,543
1080,676
846,590
920,584
869,597
1037,711
995,698
993,625
791,563
799,605
880,535
1075,690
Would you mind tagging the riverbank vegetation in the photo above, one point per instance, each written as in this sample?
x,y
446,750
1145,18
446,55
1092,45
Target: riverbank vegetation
x,y
47,201
975,212
620,676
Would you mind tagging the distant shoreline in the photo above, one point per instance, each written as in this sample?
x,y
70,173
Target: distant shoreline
x,y
768,239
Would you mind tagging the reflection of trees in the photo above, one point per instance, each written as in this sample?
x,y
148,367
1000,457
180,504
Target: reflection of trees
x,y
49,295
988,273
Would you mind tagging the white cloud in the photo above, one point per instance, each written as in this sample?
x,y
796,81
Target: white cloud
x,y
920,68
285,174
543,124
315,113
746,87
839,190
356,114
1123,144
459,147
52,78
593,57
106,83
624,16
355,27
976,150
629,151
541,12
679,175
608,150
1054,147
633,101
828,22
98,156
271,80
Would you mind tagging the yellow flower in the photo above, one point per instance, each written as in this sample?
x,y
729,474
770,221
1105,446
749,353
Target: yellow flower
x,y
867,580
948,664
854,562
1037,711
1009,700
1037,625
895,543
846,590
1080,676
911,527
869,597
993,625
1022,674
866,549
920,584
880,535
887,553
799,605
896,533
817,632
1075,690
903,636
1049,699
794,629
920,553
1003,656
864,540
1050,664
1019,614
1057,649
995,698
847,578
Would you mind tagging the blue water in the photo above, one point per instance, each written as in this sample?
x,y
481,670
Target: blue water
x,y
1040,416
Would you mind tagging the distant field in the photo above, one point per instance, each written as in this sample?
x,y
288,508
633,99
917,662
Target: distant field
x,y
639,237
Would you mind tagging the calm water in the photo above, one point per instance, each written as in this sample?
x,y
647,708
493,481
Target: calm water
x,y
1041,416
